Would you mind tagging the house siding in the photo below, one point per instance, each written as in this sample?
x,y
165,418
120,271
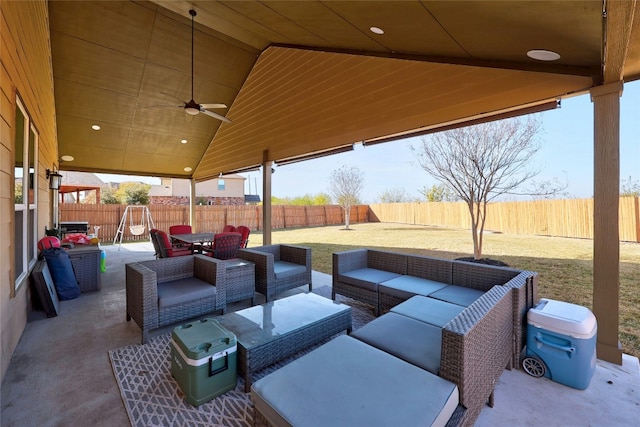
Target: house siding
x,y
25,70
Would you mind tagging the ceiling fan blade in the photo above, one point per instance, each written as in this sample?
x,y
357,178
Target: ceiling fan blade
x,y
215,115
213,106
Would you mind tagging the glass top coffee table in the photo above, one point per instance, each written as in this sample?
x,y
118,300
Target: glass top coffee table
x,y
270,332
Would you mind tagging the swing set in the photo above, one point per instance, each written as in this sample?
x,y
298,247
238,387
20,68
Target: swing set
x,y
137,228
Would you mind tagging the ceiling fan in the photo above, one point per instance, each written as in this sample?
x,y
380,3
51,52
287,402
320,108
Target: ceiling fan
x,y
192,107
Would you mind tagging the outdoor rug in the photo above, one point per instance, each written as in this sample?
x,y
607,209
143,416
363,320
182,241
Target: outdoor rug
x,y
152,396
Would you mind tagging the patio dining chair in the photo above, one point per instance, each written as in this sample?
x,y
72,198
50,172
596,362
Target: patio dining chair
x,y
181,229
165,248
228,228
244,231
225,245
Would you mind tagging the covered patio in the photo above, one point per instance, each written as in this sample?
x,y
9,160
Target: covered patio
x,y
111,86
87,328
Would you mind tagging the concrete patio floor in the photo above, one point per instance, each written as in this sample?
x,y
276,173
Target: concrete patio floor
x,y
60,374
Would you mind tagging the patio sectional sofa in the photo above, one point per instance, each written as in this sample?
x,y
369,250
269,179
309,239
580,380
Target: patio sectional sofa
x,y
384,279
431,360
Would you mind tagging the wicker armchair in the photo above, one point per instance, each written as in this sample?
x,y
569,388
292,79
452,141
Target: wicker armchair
x,y
279,267
164,291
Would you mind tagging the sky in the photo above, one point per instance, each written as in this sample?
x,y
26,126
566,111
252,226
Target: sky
x,y
566,154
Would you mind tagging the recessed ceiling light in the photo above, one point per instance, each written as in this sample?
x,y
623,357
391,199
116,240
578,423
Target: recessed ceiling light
x,y
67,158
543,55
95,127
184,141
188,169
376,30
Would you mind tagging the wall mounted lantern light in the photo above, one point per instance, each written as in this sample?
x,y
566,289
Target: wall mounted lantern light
x,y
55,179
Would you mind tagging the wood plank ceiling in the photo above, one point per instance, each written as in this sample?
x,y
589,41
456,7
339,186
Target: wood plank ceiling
x,y
303,76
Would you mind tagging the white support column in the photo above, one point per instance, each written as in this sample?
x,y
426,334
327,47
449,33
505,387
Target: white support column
x,y
266,202
192,205
606,198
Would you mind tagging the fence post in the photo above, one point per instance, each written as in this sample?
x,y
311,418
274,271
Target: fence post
x,y
636,217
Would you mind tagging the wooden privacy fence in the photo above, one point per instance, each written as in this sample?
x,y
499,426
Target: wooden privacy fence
x,y
208,218
563,218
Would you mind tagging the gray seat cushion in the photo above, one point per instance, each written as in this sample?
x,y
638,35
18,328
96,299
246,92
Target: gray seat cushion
x,y
367,278
349,383
429,310
411,340
457,295
407,286
183,290
284,269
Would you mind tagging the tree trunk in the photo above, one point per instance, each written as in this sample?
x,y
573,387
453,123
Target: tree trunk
x,y
477,250
347,214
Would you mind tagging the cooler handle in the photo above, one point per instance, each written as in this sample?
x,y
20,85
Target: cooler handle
x,y
213,372
566,348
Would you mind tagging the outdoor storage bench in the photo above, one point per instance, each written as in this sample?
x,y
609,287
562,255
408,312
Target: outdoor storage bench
x,y
384,279
279,267
164,291
443,376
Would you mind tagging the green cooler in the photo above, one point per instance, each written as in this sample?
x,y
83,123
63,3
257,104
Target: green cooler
x,y
203,360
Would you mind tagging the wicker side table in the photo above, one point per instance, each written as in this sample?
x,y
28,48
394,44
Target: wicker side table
x,y
241,280
86,265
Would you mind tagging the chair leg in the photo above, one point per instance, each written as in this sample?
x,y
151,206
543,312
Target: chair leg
x,y
128,317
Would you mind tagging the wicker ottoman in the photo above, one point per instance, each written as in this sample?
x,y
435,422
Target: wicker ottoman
x,y
349,383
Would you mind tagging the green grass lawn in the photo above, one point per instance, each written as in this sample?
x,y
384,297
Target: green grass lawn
x,y
565,266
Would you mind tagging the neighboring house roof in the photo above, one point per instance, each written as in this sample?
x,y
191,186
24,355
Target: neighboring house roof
x,y
252,198
81,179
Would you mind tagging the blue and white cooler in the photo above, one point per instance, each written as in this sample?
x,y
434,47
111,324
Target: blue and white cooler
x,y
561,343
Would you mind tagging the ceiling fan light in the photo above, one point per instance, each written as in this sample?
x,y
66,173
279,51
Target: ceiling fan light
x,y
191,110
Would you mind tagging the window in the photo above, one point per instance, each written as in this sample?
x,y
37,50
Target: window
x,y
221,184
25,194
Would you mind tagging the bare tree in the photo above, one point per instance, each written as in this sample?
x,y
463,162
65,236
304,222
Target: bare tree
x,y
630,188
395,195
482,162
345,186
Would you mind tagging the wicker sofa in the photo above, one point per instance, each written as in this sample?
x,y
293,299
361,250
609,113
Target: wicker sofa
x,y
164,291
279,267
363,379
384,279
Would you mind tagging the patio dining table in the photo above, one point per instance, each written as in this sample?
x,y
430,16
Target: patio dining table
x,y
195,239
